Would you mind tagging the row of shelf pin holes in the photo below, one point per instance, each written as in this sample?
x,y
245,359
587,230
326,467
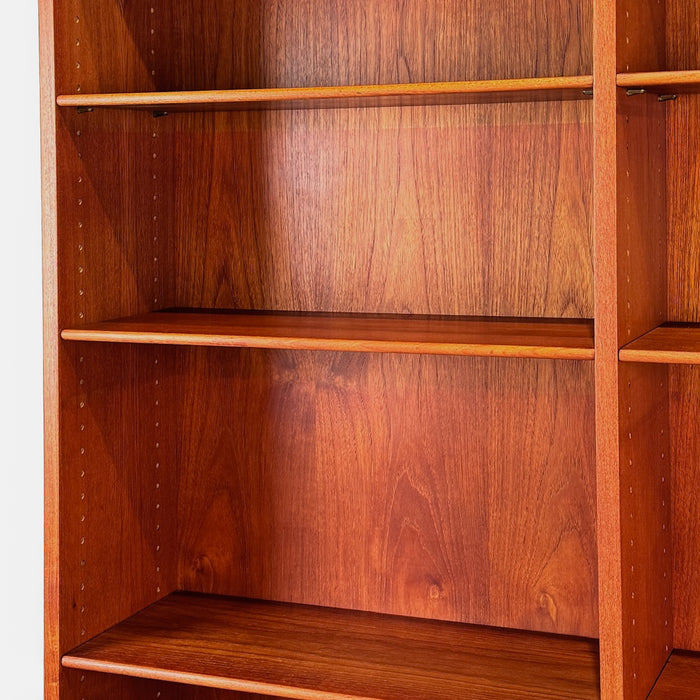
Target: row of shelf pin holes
x,y
629,407
630,93
156,296
663,528
81,406
81,378
662,98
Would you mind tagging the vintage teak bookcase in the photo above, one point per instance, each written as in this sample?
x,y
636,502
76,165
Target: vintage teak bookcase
x,y
326,414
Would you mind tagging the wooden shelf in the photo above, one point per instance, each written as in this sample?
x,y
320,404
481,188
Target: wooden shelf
x,y
681,81
676,343
680,679
554,339
476,91
296,651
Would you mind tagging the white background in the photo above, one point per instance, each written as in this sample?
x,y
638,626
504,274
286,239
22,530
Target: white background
x,y
21,456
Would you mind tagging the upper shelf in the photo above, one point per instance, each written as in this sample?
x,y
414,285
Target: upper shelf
x,y
476,91
681,81
674,343
483,337
303,652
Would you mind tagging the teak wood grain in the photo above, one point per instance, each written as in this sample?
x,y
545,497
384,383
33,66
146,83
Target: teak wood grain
x,y
390,483
117,687
529,494
646,544
553,339
461,92
118,494
326,654
355,42
606,377
381,217
684,388
662,82
683,178
671,343
51,385
683,184
680,678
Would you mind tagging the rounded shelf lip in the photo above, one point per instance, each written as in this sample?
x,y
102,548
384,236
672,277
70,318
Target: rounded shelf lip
x,y
474,337
549,88
657,81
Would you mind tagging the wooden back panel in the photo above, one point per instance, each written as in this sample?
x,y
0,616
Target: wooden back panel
x,y
208,44
452,488
481,210
685,453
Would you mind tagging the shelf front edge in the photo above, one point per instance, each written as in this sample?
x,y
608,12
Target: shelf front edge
x,y
203,680
467,349
660,357
554,88
661,81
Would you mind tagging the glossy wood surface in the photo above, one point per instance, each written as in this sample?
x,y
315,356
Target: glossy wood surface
x,y
117,687
634,479
396,483
606,377
662,82
353,333
273,44
51,386
320,653
683,143
680,679
640,34
464,92
429,458
673,343
684,389
382,217
646,546
118,495
683,183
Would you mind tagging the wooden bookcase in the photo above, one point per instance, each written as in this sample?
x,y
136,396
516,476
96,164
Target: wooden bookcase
x,y
326,415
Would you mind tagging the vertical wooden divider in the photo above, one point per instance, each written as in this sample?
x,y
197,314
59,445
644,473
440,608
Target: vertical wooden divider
x,y
633,471
645,474
607,427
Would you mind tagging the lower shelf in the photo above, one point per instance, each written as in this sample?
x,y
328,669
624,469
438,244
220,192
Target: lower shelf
x,y
680,679
298,651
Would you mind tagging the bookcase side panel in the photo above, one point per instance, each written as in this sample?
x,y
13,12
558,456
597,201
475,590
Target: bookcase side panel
x,y
114,548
